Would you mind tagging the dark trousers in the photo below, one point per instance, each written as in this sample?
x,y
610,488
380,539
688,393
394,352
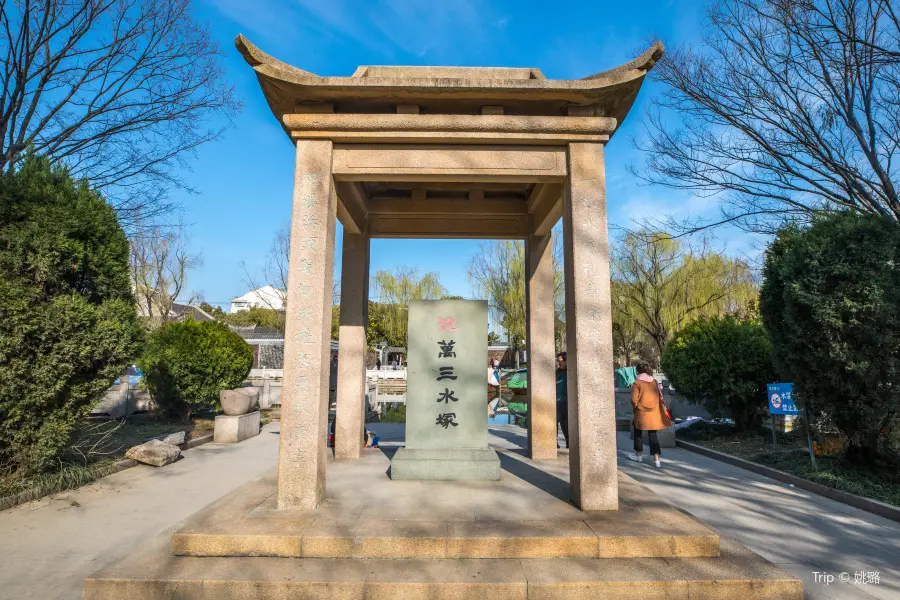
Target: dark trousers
x,y
639,441
562,419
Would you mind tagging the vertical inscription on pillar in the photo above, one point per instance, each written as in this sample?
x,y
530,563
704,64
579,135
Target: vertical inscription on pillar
x,y
308,223
301,465
592,459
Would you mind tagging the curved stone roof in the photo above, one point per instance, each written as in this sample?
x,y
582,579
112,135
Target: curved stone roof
x,y
448,90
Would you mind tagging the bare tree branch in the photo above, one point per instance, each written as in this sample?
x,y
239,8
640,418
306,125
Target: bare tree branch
x,y
787,109
121,91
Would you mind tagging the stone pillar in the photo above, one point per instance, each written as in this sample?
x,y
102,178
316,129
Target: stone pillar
x,y
307,338
540,300
350,420
592,414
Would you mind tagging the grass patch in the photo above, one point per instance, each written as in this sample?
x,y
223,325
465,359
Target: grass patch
x,y
96,448
66,478
135,430
791,455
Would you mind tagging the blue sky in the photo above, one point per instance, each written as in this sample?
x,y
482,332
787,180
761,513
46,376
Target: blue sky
x,y
244,180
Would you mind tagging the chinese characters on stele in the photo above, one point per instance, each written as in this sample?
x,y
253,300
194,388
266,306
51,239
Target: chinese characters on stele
x,y
447,419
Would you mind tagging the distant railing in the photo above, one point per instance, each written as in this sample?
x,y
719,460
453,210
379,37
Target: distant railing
x,y
386,373
266,374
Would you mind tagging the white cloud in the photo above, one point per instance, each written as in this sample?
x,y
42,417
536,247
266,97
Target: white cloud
x,y
270,20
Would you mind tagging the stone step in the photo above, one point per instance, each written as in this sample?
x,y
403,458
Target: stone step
x,y
403,525
156,575
664,535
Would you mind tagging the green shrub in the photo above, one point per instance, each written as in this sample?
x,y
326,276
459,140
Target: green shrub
x,y
68,324
724,364
831,304
394,415
187,364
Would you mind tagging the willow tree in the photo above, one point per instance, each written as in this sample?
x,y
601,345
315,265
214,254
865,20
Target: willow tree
x,y
395,290
497,272
628,336
662,284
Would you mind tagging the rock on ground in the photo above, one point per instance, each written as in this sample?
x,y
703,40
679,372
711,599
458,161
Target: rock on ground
x,y
154,452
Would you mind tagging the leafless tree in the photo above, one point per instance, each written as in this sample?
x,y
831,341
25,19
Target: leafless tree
x,y
160,261
121,91
275,273
786,109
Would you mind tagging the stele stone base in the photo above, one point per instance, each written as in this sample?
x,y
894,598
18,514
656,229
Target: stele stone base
x,y
231,430
445,465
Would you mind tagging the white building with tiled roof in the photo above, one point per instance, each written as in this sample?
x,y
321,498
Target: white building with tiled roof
x,y
264,297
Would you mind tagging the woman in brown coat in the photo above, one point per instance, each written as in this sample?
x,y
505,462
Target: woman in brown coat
x,y
649,411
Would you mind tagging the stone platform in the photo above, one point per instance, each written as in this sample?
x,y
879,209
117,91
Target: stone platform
x,y
373,537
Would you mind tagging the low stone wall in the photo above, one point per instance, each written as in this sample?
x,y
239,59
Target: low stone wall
x,y
677,405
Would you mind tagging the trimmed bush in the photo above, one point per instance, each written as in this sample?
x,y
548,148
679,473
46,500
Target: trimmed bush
x,y
831,304
68,324
724,364
187,364
394,415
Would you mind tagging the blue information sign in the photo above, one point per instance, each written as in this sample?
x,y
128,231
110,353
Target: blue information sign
x,y
781,401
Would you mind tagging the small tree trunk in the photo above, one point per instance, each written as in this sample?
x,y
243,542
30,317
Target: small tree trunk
x,y
186,417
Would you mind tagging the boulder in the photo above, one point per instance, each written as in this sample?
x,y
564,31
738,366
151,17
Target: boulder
x,y
154,452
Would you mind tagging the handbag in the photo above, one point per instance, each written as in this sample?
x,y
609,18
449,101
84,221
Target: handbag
x,y
665,414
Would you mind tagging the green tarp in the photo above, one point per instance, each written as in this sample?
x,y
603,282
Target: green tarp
x,y
625,377
518,380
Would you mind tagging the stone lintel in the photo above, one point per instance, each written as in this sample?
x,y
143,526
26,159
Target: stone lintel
x,y
450,123
474,226
490,206
431,162
454,137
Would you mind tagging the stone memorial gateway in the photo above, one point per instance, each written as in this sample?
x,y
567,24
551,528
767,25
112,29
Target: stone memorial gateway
x,y
437,152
